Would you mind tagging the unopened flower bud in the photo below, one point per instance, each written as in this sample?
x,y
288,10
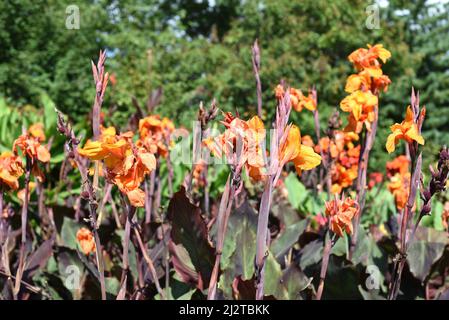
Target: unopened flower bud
x,y
426,194
426,209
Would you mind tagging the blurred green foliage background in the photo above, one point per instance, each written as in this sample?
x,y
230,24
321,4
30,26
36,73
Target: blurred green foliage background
x,y
198,50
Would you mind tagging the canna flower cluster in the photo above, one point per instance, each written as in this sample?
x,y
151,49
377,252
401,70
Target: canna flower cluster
x,y
154,134
86,241
298,100
30,145
398,175
365,86
341,212
198,178
11,169
345,156
241,144
125,163
246,140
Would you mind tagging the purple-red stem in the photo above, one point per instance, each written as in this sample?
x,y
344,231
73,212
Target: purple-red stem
x,y
406,218
149,193
324,263
21,264
361,179
262,238
224,211
256,68
72,143
129,211
149,263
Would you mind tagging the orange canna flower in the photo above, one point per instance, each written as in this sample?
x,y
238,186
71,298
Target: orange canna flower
x,y
37,131
242,143
326,145
32,148
307,141
197,174
367,59
360,104
30,145
250,137
380,83
107,145
342,177
11,168
279,91
345,155
155,134
407,130
350,137
256,136
126,164
350,157
86,241
366,80
298,100
356,82
341,212
398,165
363,87
133,170
302,156
399,187
21,192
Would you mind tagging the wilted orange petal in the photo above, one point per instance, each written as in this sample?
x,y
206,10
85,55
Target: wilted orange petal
x,y
136,197
148,160
42,154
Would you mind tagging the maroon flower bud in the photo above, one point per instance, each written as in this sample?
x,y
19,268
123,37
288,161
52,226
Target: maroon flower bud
x,y
426,209
426,195
61,129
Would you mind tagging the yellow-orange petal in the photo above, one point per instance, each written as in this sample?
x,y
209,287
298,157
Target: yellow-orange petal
x,y
136,197
307,159
42,154
413,134
392,140
256,123
353,83
37,130
292,145
86,240
374,72
93,150
148,160
383,53
409,115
